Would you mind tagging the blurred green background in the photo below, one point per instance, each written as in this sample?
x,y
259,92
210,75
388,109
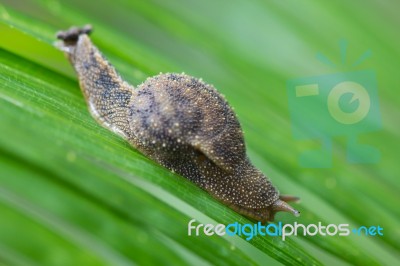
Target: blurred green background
x,y
72,193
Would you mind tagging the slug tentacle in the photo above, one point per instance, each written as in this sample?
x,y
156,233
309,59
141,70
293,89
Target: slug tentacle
x,y
280,205
181,123
107,94
289,198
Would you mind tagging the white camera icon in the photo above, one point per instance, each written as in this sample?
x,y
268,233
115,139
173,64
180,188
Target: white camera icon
x,y
340,104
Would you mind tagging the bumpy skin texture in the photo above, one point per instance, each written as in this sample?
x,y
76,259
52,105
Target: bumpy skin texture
x,y
186,126
178,121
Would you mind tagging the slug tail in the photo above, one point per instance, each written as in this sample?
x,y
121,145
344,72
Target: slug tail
x,y
70,37
106,93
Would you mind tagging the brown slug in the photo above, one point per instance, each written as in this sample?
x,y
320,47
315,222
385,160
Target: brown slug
x,y
181,123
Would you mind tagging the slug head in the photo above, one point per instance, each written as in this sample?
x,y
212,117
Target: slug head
x,y
267,214
245,189
262,201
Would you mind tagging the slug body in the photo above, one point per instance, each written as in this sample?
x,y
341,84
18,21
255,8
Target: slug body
x,y
181,123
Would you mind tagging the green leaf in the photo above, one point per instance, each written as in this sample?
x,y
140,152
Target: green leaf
x,y
73,193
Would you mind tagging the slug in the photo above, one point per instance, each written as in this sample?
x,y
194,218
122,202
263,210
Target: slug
x,y
181,123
